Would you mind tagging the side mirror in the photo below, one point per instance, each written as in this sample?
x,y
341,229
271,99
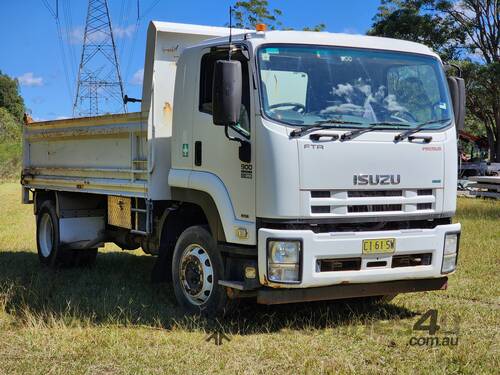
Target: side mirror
x,y
457,91
227,91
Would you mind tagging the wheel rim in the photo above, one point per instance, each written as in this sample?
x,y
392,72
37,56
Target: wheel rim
x,y
46,235
196,274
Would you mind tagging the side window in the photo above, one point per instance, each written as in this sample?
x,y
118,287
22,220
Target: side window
x,y
284,86
206,83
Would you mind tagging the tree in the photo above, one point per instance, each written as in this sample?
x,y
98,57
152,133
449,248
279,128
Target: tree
x,y
247,14
483,99
409,20
10,127
479,19
458,29
10,99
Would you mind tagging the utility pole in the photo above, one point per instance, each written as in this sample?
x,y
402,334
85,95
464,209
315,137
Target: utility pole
x,y
100,88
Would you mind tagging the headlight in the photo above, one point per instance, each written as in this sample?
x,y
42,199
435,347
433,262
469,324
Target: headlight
x,y
284,252
283,261
450,253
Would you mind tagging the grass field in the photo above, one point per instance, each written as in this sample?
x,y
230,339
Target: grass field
x,y
111,320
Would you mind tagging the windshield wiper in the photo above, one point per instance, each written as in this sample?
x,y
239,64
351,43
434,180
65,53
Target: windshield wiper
x,y
321,125
407,133
373,126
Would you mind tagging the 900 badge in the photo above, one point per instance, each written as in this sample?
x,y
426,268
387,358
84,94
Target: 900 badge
x,y
246,170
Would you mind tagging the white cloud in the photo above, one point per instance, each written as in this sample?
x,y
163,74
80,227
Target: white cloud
x,y
29,79
75,35
138,77
123,32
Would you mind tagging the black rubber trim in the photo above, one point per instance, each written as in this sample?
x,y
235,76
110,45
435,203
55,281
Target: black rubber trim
x,y
350,219
207,204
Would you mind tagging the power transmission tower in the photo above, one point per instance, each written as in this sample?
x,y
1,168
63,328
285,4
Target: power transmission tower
x,y
100,88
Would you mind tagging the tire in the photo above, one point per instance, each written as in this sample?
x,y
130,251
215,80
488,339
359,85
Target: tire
x,y
50,252
196,269
47,236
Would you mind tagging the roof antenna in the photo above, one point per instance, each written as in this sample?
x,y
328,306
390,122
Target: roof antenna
x,y
230,31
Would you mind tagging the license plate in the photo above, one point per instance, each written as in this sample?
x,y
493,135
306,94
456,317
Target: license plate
x,y
380,246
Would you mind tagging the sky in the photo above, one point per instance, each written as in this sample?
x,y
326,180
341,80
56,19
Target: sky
x,y
32,51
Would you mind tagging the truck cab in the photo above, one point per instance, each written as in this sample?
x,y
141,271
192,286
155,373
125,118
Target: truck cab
x,y
298,166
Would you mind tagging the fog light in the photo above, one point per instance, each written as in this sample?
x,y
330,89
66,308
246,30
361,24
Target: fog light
x,y
250,272
450,253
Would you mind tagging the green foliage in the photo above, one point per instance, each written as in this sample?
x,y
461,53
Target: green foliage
x,y
10,127
483,100
466,29
247,14
319,27
10,97
478,19
409,20
10,143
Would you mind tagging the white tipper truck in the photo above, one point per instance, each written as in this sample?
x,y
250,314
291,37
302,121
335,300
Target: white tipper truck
x,y
281,165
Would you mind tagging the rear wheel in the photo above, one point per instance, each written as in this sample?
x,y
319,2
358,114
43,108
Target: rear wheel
x,y
50,253
197,268
47,235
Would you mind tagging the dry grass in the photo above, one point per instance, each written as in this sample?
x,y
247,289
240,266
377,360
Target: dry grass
x,y
112,320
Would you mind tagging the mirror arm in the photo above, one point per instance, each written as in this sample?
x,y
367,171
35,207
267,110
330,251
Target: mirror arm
x,y
451,65
244,152
234,139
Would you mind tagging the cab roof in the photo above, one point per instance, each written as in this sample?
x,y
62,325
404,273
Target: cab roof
x,y
332,39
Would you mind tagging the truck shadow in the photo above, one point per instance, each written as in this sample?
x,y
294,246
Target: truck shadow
x,y
117,290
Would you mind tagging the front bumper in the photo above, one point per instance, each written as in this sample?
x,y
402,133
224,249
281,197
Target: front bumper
x,y
342,245
272,296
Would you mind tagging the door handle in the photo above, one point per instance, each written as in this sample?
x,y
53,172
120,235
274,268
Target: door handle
x,y
197,153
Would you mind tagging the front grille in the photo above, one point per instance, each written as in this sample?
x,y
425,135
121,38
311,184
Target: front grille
x,y
362,203
332,265
411,260
374,193
424,206
374,208
376,224
320,209
380,263
320,194
424,192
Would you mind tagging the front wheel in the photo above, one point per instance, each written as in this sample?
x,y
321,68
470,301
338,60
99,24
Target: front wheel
x,y
197,268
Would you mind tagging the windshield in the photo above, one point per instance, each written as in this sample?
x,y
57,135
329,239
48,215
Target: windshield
x,y
307,85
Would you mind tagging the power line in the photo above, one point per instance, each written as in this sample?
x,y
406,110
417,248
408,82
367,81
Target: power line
x,y
150,9
49,8
99,87
63,53
55,14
